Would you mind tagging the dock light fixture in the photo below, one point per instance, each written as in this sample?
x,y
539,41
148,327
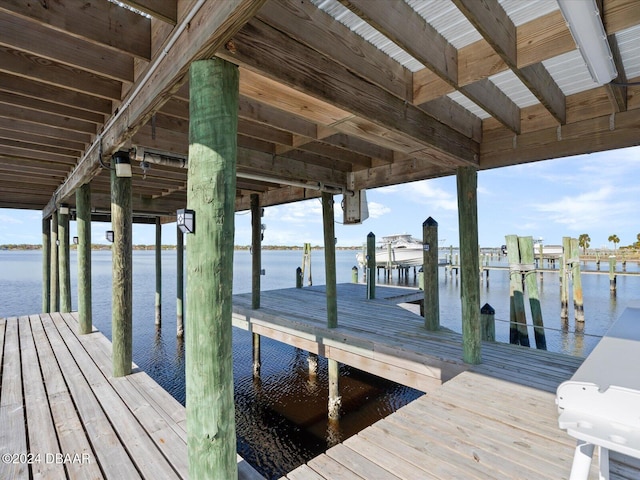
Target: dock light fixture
x,y
123,164
109,236
588,32
75,240
186,220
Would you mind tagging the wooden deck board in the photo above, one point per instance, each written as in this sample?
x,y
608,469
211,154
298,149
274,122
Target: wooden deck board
x,y
72,407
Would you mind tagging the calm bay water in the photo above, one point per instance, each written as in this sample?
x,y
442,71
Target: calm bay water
x,y
281,419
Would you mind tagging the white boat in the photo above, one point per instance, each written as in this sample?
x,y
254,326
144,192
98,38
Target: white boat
x,y
401,250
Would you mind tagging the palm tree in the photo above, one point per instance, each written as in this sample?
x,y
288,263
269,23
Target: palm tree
x,y
583,241
614,238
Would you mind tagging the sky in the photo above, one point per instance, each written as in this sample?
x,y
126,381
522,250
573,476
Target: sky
x,y
597,194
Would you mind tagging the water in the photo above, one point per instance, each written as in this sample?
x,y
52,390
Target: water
x,y
281,419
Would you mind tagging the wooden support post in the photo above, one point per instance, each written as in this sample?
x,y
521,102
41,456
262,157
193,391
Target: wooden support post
x,y
46,264
354,274
578,301
256,250
306,261
518,332
526,258
612,273
255,340
430,272
312,361
211,191
64,263
488,320
83,219
158,298
467,186
335,401
122,262
330,259
179,283
564,278
298,277
55,277
371,266
541,262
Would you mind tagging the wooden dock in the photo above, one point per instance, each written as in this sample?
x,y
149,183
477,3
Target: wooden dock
x,y
63,415
496,420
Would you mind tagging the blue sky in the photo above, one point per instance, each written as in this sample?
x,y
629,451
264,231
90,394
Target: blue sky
x,y
597,194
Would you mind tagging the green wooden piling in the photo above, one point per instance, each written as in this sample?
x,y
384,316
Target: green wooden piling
x,y
46,264
256,250
467,186
330,259
488,321
430,274
354,274
158,256
64,264
299,277
371,266
121,266
179,283
612,273
564,278
55,277
83,219
531,285
519,334
578,301
211,190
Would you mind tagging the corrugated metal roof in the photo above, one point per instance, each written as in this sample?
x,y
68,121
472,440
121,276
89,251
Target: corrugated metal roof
x,y
513,87
570,72
523,11
628,43
468,104
445,17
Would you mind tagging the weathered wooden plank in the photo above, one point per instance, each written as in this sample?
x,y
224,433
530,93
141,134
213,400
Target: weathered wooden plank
x,y
331,469
71,434
142,449
42,434
13,435
111,454
304,472
358,463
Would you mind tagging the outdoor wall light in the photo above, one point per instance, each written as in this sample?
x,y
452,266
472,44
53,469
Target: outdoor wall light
x,y
123,164
110,236
63,210
75,240
588,31
186,220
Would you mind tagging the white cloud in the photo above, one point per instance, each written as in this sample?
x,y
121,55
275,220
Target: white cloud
x,y
427,193
377,210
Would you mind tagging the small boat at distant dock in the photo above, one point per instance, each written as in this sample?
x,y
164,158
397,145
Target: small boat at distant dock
x,y
397,251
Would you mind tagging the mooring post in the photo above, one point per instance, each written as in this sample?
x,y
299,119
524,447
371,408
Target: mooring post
x,y
213,119
179,283
541,262
578,301
467,187
306,260
354,274
55,276
330,259
335,401
158,258
430,274
371,266
312,361
564,278
488,320
83,220
526,257
298,277
46,264
122,262
518,333
612,273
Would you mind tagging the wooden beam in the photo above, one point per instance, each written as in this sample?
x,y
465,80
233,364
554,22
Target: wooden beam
x,y
617,93
297,65
209,369
165,10
103,23
488,96
48,107
209,28
454,115
498,30
46,119
55,134
31,37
